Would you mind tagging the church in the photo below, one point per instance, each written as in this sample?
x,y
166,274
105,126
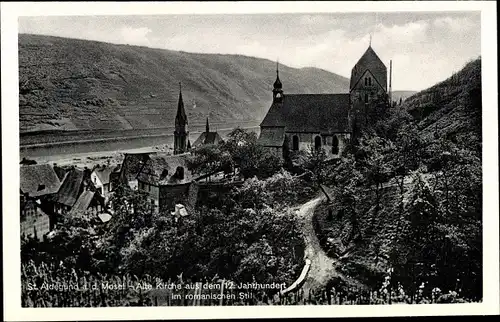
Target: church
x,y
323,121
207,137
182,144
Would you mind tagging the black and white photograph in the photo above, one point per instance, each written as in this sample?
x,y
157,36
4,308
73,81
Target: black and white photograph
x,y
240,159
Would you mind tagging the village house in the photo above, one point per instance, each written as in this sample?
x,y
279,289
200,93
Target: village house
x,y
37,184
100,177
38,181
127,172
34,221
323,121
166,179
89,204
78,191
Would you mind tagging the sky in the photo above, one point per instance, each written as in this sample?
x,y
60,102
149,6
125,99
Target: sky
x,y
425,48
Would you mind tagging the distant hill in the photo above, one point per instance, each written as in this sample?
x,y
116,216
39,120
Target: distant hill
x,y
451,108
71,84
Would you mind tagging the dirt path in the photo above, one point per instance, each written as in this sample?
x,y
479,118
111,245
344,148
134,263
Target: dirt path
x,y
322,266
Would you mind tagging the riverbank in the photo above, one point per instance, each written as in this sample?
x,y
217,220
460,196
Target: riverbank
x,y
101,148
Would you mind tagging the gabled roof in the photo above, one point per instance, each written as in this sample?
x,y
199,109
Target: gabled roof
x,y
103,173
82,203
132,164
38,180
70,188
207,138
60,172
272,137
369,60
370,74
161,169
324,113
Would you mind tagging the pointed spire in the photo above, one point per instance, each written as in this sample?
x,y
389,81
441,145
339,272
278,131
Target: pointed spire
x,y
370,44
277,84
181,113
180,93
207,127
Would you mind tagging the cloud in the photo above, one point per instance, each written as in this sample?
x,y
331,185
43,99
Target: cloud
x,y
461,24
425,48
405,34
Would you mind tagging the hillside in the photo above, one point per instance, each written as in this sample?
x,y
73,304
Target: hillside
x,y
452,108
71,84
432,220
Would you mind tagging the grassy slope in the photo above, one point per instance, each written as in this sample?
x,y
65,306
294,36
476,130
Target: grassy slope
x,y
77,84
452,106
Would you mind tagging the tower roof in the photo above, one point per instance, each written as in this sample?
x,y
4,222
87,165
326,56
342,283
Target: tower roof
x,y
369,61
180,118
277,82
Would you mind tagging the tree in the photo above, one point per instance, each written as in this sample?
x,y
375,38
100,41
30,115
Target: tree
x,y
372,155
407,154
208,159
416,247
252,159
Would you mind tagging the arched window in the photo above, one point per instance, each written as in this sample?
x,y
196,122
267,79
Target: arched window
x,y
317,142
366,98
369,81
295,143
335,145
366,81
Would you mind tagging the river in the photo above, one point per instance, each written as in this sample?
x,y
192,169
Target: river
x,y
53,146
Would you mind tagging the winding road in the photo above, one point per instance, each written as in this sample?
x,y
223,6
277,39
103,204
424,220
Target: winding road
x,y
322,267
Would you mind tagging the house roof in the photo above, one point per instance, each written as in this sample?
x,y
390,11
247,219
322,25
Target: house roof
x,y
325,113
60,172
70,187
207,138
82,203
161,169
274,137
38,180
369,61
104,172
105,217
132,164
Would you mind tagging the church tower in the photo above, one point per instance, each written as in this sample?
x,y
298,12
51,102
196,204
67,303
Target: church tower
x,y
277,88
181,132
368,85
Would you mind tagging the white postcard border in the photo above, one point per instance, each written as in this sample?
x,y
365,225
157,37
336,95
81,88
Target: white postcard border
x,y
10,157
